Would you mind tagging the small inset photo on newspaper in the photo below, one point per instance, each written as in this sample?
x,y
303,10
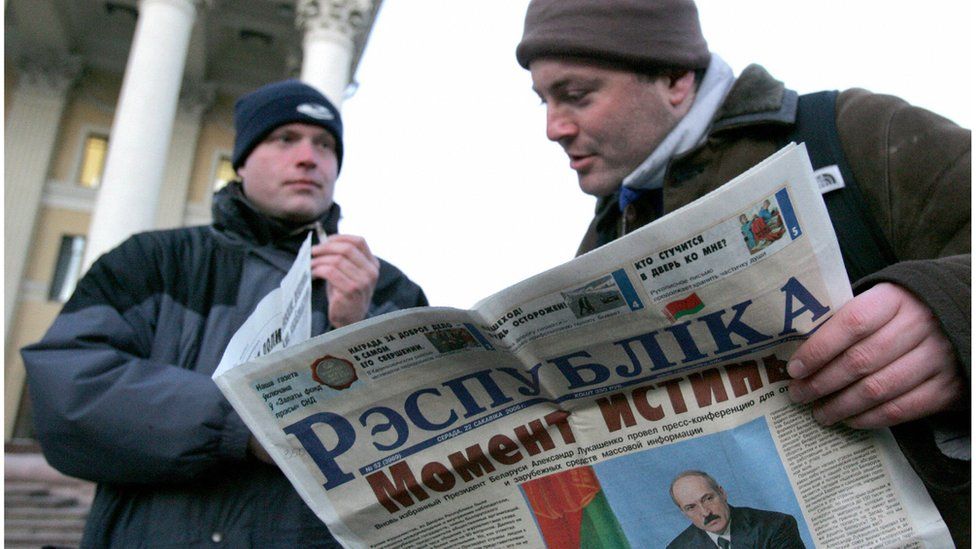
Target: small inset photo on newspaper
x,y
762,225
448,340
606,293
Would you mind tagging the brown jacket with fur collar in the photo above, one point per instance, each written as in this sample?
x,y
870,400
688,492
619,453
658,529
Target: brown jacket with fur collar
x,y
913,168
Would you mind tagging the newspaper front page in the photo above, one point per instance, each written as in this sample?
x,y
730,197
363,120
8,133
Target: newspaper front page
x,y
557,412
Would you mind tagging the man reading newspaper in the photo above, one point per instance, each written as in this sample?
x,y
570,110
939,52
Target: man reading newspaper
x,y
652,120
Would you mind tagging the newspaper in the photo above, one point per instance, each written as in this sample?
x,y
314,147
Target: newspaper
x,y
281,318
557,412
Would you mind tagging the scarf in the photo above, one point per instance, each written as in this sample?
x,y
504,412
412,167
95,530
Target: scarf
x,y
686,135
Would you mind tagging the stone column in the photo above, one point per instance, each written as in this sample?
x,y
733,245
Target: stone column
x,y
195,99
330,29
143,125
31,130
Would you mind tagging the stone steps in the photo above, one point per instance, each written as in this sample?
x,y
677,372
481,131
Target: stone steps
x,y
42,500
52,524
40,539
79,512
41,506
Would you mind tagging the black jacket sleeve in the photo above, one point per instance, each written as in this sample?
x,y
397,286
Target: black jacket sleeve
x,y
104,410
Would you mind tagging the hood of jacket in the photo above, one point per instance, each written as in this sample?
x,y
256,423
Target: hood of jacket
x,y
756,98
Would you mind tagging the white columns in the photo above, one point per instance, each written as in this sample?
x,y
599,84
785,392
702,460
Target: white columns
x,y
141,131
195,99
31,129
330,28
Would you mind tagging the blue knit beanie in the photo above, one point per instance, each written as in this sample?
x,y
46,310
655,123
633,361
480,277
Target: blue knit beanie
x,y
258,113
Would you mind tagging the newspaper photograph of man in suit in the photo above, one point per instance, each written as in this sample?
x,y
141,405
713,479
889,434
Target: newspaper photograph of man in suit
x,y
716,523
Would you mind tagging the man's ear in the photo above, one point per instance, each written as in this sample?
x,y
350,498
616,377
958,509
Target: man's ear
x,y
681,87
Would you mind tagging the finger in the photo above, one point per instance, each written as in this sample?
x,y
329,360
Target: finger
x,y
859,318
340,248
347,251
337,279
353,240
900,335
937,394
329,267
898,378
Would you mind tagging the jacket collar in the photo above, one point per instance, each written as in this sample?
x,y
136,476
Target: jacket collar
x,y
755,99
690,129
236,217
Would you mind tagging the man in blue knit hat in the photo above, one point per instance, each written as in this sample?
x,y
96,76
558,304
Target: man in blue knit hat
x,y
288,152
121,385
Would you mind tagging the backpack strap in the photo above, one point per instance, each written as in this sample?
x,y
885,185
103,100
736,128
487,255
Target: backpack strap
x,y
862,242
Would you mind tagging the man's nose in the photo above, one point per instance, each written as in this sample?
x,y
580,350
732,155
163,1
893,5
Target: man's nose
x,y
559,126
306,153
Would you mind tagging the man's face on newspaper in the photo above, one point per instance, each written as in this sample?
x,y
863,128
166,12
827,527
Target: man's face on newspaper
x,y
608,120
705,506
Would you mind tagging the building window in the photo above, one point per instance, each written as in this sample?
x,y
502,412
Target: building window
x,y
68,267
93,160
224,173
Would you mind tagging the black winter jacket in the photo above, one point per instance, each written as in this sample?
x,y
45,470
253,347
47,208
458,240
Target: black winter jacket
x,y
122,394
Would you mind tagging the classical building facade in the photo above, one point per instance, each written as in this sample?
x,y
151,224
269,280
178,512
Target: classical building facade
x,y
119,118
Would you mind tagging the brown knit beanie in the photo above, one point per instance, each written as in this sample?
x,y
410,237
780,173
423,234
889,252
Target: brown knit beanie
x,y
642,34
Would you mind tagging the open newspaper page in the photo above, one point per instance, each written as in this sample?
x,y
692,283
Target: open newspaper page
x,y
281,318
557,413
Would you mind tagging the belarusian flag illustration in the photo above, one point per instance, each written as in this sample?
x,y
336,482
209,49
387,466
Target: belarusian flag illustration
x,y
687,306
572,511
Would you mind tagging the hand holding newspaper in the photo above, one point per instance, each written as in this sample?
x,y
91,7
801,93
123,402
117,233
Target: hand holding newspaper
x,y
558,412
